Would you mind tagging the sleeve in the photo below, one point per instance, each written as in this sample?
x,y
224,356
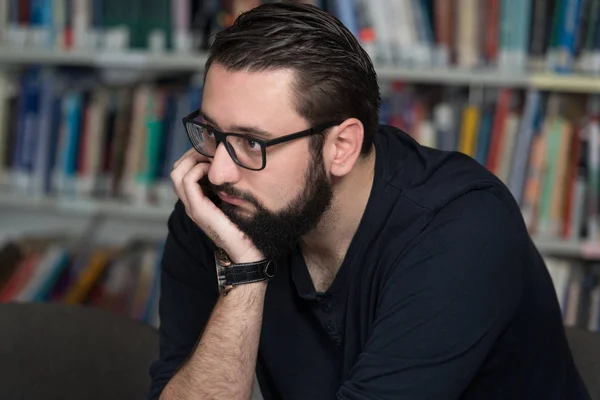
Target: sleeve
x,y
444,305
187,296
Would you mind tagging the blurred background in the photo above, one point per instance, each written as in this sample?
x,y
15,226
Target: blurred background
x,y
92,93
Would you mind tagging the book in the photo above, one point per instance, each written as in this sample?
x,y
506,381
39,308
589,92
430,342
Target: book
x,y
122,279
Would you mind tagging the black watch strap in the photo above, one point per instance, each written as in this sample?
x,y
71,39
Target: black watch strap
x,y
237,274
230,274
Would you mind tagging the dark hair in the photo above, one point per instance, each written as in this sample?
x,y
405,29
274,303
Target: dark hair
x,y
335,78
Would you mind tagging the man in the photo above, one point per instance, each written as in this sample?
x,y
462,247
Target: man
x,y
353,263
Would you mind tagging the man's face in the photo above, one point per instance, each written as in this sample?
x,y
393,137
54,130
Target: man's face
x,y
285,200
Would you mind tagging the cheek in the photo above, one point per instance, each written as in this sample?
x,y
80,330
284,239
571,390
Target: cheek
x,y
283,180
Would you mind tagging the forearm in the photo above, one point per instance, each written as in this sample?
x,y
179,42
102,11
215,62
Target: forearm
x,y
223,364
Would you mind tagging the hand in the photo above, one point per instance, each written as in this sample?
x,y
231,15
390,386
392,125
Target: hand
x,y
187,172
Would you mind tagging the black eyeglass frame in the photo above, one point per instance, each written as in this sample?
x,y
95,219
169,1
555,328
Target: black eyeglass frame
x,y
222,136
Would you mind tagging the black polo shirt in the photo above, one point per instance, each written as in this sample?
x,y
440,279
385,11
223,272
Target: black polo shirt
x,y
441,295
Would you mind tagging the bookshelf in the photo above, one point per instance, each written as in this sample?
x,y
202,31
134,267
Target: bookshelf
x,y
194,62
135,59
455,76
565,83
174,63
504,69
568,249
112,209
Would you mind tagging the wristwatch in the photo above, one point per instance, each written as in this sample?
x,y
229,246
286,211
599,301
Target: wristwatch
x,y
230,274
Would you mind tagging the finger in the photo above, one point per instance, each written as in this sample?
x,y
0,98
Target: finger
x,y
207,215
195,197
190,152
184,166
190,184
184,156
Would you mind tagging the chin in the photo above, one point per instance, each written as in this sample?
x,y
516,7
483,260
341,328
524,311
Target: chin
x,y
243,214
238,212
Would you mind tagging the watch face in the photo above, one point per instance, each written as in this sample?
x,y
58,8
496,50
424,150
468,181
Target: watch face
x,y
222,258
270,269
224,288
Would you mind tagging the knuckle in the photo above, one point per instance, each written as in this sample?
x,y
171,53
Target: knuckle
x,y
187,179
176,163
174,175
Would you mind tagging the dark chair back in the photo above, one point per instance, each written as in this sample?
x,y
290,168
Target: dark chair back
x,y
585,346
55,351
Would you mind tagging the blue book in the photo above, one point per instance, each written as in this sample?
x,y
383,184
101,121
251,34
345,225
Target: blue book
x,y
36,16
70,146
425,11
154,295
484,134
20,122
567,31
178,140
46,134
516,182
54,142
523,17
385,112
346,12
56,266
98,14
13,11
195,96
596,45
27,126
169,127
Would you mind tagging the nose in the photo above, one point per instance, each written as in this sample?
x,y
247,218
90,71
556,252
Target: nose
x,y
222,168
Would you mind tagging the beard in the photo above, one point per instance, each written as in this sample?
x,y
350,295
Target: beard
x,y
276,234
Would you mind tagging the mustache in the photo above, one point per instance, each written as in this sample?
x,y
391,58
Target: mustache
x,y
211,191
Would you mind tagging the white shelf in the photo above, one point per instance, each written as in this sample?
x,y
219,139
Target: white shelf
x,y
558,247
127,211
455,76
78,207
102,59
575,249
165,62
566,83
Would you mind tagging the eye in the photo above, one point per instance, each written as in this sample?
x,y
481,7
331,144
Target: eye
x,y
252,145
209,133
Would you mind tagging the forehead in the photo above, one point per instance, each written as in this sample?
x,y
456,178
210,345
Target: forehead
x,y
263,99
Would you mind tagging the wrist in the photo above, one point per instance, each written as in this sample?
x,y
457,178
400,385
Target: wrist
x,y
247,256
247,296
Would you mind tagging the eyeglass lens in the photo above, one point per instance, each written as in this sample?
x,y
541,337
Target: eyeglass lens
x,y
244,150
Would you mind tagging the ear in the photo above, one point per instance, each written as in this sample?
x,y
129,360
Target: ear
x,y
343,146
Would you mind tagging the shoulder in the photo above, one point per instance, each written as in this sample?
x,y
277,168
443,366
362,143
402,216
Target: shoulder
x,y
429,177
458,221
462,276
472,253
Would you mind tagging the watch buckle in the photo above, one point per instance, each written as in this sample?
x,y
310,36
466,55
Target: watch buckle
x,y
266,270
222,258
226,289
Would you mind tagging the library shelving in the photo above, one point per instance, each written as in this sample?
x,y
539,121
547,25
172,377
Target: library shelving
x,y
138,59
194,62
86,207
159,214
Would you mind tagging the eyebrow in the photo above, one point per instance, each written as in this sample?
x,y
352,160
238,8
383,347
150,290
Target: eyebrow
x,y
239,128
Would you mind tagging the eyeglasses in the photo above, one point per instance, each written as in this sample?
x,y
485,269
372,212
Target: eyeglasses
x,y
246,151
